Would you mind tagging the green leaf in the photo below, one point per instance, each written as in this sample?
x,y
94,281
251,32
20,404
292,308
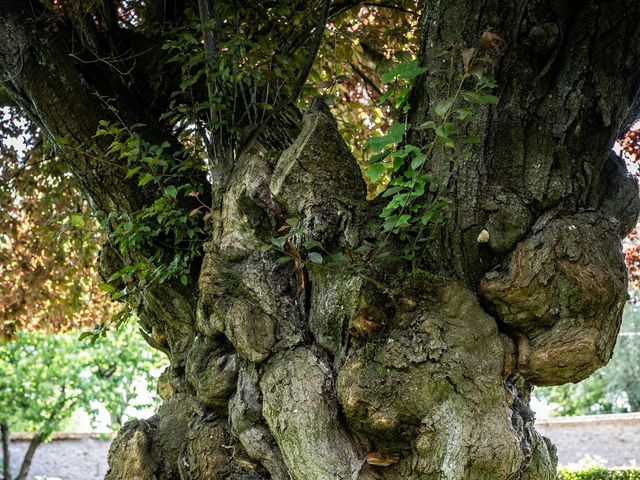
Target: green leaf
x,y
77,220
170,191
265,248
315,257
144,179
444,132
390,223
84,335
184,279
363,249
475,97
391,191
394,135
465,114
375,171
429,124
444,106
132,172
279,241
418,161
378,157
283,260
404,71
309,244
472,139
338,259
107,287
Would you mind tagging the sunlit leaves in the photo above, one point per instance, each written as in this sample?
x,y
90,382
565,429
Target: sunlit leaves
x,y
49,242
44,378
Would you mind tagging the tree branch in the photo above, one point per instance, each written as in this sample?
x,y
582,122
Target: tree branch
x,y
365,78
35,442
313,52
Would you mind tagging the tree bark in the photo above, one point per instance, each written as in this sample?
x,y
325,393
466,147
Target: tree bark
x,y
6,458
307,371
35,442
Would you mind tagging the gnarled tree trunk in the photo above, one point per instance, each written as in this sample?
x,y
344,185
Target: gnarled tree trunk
x,y
314,372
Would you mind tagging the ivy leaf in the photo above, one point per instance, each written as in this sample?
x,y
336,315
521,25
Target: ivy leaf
x,y
338,259
363,249
391,191
107,287
444,132
390,223
378,157
464,114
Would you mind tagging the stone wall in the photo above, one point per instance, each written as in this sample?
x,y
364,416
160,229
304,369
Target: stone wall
x,y
66,457
613,438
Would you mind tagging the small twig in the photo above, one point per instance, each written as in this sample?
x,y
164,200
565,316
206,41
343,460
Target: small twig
x,y
367,80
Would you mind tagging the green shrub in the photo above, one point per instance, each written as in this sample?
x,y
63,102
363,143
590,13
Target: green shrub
x,y
600,473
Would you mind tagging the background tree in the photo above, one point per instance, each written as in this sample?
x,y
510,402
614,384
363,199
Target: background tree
x,y
309,338
45,378
48,243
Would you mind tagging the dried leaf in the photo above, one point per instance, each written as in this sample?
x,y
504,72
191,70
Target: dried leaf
x,y
490,40
467,57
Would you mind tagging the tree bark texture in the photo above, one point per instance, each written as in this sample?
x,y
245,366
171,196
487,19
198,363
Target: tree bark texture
x,y
35,442
6,459
284,371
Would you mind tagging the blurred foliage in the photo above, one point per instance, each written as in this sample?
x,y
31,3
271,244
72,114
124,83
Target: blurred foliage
x,y
600,473
48,242
614,388
45,378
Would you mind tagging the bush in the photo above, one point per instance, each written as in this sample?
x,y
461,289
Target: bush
x,y
600,473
